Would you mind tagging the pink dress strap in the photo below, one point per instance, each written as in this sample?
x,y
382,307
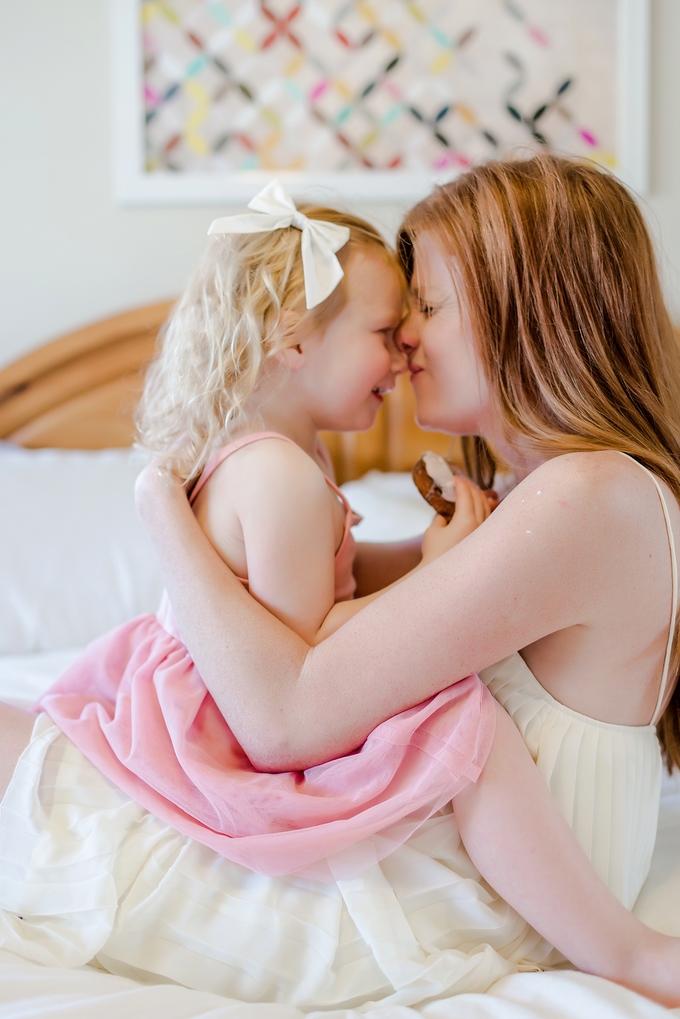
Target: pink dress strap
x,y
345,584
224,453
325,456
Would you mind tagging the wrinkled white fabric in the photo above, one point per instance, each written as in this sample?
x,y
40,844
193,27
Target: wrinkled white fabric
x,y
605,778
35,992
87,873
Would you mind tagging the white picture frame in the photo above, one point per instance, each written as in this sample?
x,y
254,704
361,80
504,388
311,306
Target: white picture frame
x,y
134,186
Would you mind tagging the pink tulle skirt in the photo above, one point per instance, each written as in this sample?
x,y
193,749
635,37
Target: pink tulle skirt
x,y
135,705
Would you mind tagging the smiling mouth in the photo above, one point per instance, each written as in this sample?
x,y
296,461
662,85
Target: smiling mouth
x,y
382,391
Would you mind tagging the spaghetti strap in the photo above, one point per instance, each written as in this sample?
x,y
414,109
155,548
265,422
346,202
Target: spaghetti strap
x,y
222,455
674,601
344,554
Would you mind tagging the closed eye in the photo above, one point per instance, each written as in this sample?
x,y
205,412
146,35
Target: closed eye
x,y
422,306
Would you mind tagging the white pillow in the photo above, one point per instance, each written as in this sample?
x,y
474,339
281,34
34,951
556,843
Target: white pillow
x,y
74,559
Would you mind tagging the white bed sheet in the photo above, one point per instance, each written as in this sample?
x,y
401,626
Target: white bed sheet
x,y
24,678
42,993
34,992
391,511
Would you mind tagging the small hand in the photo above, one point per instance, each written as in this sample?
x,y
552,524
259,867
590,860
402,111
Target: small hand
x,y
154,485
472,508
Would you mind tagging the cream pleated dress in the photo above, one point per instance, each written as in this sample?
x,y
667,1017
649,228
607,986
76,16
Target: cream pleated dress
x,y
86,874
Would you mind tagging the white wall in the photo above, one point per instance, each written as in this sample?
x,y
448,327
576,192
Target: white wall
x,y
69,255
663,201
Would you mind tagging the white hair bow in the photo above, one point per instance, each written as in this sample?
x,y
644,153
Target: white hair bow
x,y
274,210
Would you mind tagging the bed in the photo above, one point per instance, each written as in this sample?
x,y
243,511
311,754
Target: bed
x,y
76,562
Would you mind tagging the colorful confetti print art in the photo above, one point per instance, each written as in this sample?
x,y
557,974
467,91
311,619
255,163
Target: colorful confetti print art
x,y
375,87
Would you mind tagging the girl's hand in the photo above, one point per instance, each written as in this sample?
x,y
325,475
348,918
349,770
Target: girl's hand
x,y
155,485
472,508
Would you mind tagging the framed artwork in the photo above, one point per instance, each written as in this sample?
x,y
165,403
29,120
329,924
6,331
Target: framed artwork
x,y
370,99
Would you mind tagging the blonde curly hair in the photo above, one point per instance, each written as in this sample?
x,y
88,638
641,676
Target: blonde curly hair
x,y
245,303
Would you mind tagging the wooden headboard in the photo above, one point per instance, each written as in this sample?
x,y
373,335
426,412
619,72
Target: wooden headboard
x,y
80,391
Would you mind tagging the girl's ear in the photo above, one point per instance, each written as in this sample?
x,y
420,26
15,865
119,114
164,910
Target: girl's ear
x,y
292,358
292,355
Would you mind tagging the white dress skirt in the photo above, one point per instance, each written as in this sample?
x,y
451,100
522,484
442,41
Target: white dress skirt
x,y
88,875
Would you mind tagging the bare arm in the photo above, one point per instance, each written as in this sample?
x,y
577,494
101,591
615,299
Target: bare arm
x,y
275,497
472,508
534,568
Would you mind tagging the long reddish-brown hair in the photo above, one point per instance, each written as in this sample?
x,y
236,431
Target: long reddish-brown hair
x,y
560,278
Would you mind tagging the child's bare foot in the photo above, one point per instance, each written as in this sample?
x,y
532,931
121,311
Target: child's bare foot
x,y
654,969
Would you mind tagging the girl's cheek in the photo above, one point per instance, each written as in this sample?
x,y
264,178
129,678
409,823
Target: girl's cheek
x,y
377,362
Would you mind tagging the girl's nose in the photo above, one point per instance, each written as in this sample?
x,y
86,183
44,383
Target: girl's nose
x,y
407,337
398,358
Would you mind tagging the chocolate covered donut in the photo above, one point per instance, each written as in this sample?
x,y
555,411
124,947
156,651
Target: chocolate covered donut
x,y
435,481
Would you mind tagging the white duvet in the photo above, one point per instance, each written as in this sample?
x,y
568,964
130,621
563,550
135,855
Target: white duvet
x,y
40,653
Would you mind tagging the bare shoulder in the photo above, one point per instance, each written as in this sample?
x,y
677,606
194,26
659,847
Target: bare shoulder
x,y
563,541
608,479
583,468
272,469
596,495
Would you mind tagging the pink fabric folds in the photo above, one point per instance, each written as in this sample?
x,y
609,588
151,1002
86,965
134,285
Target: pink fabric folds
x,y
136,706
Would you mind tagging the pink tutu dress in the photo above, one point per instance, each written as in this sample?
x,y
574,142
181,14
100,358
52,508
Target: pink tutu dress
x,y
135,705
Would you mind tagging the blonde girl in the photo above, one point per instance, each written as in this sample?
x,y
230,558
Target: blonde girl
x,y
186,825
